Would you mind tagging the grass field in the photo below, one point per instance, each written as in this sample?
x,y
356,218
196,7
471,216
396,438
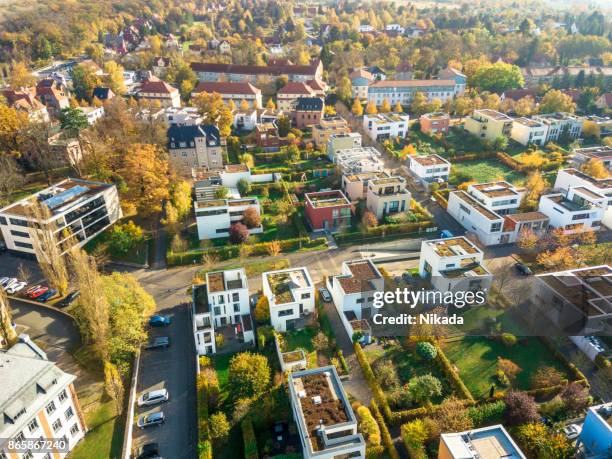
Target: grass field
x,y
476,359
487,170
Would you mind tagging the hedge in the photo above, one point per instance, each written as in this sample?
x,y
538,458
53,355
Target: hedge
x,y
375,452
384,431
441,199
487,413
343,361
577,375
250,442
455,380
414,434
512,163
392,228
377,391
204,442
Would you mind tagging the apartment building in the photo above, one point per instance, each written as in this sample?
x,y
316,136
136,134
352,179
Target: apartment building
x,y
574,210
230,91
403,91
203,324
595,438
488,124
212,71
357,160
327,210
453,264
430,168
195,146
155,90
307,112
360,80
560,126
355,186
492,442
344,141
38,401
449,73
326,423
78,210
501,197
435,123
527,131
475,217
215,216
575,301
387,196
244,120
173,116
329,126
382,126
291,92
93,114
601,153
291,297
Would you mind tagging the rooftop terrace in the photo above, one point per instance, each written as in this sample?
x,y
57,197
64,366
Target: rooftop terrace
x,y
282,283
451,247
496,189
429,160
333,198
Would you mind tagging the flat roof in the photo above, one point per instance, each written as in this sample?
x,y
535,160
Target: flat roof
x,y
561,199
362,272
493,114
283,282
364,176
332,198
476,205
454,246
528,122
598,152
383,118
436,116
429,160
496,189
492,442
602,184
527,216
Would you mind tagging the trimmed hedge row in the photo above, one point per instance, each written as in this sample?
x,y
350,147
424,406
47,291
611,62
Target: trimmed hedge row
x,y
441,199
392,228
470,157
250,442
387,440
375,452
577,375
345,366
486,413
455,380
377,391
512,163
204,441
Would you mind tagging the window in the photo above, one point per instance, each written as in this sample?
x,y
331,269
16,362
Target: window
x,y
235,297
359,301
3,222
57,425
50,408
74,430
25,245
217,311
465,209
20,437
580,216
305,296
496,227
285,312
33,425
69,413
63,396
236,307
18,222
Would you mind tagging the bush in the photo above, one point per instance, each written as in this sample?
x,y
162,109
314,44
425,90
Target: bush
x,y
508,339
546,377
124,237
426,350
238,233
414,434
387,440
487,413
386,374
424,388
368,426
219,426
249,375
378,393
521,408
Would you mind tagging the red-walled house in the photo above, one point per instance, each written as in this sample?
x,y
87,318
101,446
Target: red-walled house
x,y
327,210
433,123
307,111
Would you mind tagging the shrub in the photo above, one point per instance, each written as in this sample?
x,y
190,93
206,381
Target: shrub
x,y
249,375
602,361
487,413
219,426
426,350
546,377
521,407
508,339
537,440
424,388
244,187
368,426
238,233
453,377
575,397
386,374
414,434
204,361
125,236
251,218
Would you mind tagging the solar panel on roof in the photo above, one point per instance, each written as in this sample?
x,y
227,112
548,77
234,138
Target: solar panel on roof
x,y
65,196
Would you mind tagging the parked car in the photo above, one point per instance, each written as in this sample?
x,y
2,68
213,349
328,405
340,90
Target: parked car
x,y
153,419
47,295
4,280
10,282
148,451
69,299
32,288
159,321
38,292
572,431
14,288
159,342
325,294
153,397
523,269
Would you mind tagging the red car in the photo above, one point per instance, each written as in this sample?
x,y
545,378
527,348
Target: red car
x,y
37,293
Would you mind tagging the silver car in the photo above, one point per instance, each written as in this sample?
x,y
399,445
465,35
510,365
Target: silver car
x,y
153,419
153,397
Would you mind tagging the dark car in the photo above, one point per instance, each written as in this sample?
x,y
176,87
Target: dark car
x,y
69,299
523,269
148,451
153,419
325,294
47,295
159,342
159,321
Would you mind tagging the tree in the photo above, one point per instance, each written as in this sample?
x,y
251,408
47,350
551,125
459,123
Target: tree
x,y
284,125
145,173
244,105
398,108
368,426
371,108
414,435
330,110
238,233
113,385
11,178
251,217
212,106
385,106
73,121
21,76
262,309
124,237
556,101
368,219
521,407
575,397
357,108
497,77
270,104
426,350
591,129
546,376
84,80
273,248
527,239
424,388
344,89
248,375
244,186
231,105
539,441
418,105
320,341
451,416
8,335
595,168
114,77
222,192
178,244
293,153
501,143
559,259
525,106
181,197
219,426
535,186
12,124
508,367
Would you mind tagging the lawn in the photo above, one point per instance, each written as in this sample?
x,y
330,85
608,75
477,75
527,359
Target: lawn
x,y
300,339
137,254
487,170
476,359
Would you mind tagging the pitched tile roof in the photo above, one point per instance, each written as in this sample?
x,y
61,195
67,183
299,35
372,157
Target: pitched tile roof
x,y
293,87
310,104
223,87
284,69
155,85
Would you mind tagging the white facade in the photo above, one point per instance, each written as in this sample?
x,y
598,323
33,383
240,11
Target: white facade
x,y
87,208
359,159
453,264
560,123
215,216
245,120
430,168
355,186
173,116
385,126
228,296
93,114
500,197
476,218
574,210
291,296
486,443
342,142
529,132
387,196
600,153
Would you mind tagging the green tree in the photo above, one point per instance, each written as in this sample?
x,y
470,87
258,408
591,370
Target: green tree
x,y
556,101
248,376
497,77
293,153
124,237
343,88
73,121
424,388
222,192
84,80
244,187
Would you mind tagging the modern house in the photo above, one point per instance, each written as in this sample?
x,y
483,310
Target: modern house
x,y
595,438
403,91
307,112
244,120
344,141
561,125
203,324
173,116
601,153
212,71
155,90
387,196
235,92
327,210
195,146
215,216
358,159
575,301
93,114
501,197
430,168
435,123
527,131
492,442
291,297
453,264
488,124
575,209
355,186
325,420
382,126
38,402
334,125
83,207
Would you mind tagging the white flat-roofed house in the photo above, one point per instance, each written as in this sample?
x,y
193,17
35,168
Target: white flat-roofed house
x,y
453,264
528,131
93,114
358,159
501,197
245,120
475,217
561,124
326,423
173,116
228,295
203,323
355,186
291,297
215,216
488,124
596,435
574,210
430,168
383,126
344,141
601,153
492,442
85,207
387,196
38,401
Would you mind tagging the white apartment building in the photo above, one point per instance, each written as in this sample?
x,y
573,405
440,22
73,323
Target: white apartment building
x,y
574,210
173,116
475,217
492,442
203,324
38,401
291,297
359,159
83,207
527,131
500,197
488,124
560,124
325,420
430,168
601,153
342,142
571,178
215,216
353,290
382,126
93,114
403,91
355,186
453,264
228,296
244,120
387,196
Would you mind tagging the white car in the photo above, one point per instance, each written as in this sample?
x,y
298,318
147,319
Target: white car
x,y
4,280
10,283
572,431
154,397
16,287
